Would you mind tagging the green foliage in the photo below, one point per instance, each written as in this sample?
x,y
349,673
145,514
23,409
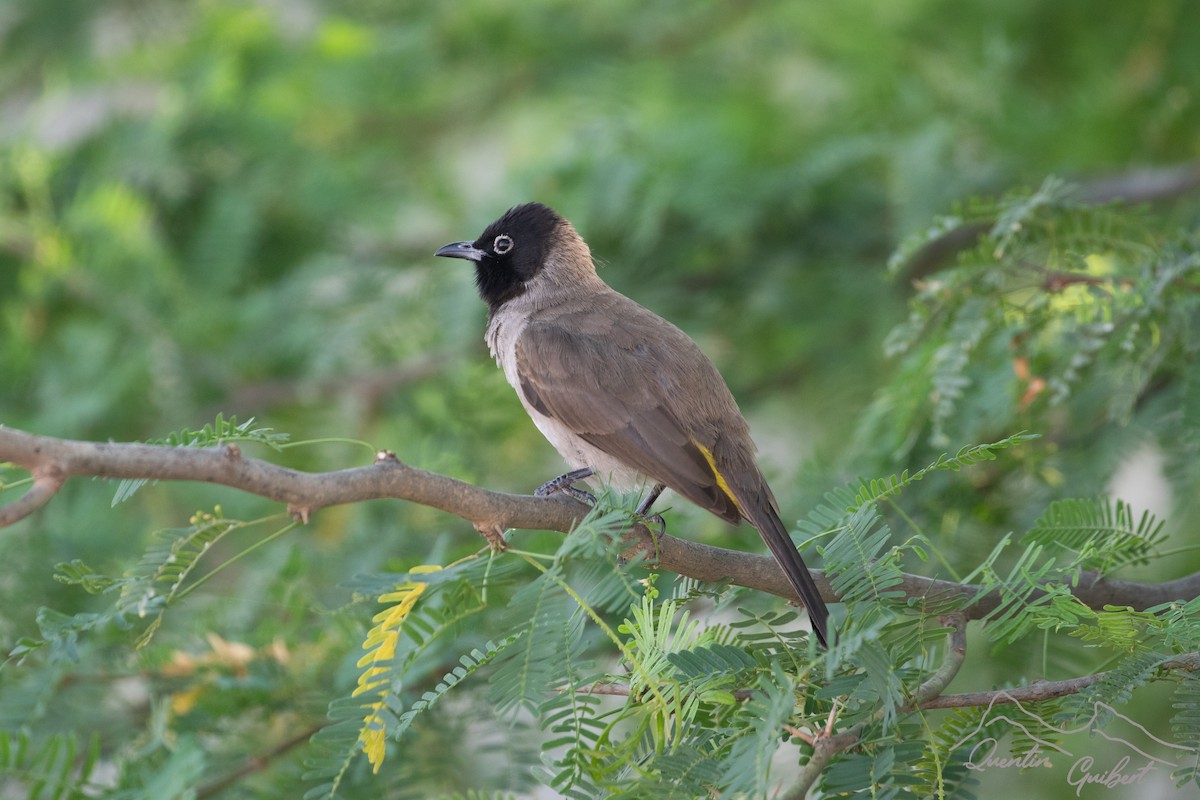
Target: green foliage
x,y
230,206
747,767
468,664
1101,535
146,591
1185,725
857,571
877,771
52,768
220,431
941,770
876,490
1092,706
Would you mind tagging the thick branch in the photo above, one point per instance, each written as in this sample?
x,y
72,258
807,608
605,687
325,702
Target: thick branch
x,y
303,492
52,461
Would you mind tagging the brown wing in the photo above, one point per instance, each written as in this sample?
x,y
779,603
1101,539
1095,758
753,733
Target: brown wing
x,y
613,373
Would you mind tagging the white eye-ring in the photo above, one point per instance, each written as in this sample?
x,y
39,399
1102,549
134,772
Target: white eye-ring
x,y
502,244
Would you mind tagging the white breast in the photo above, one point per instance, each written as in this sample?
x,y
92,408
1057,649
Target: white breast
x,y
503,332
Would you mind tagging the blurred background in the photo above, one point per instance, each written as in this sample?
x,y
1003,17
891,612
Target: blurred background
x,y
232,207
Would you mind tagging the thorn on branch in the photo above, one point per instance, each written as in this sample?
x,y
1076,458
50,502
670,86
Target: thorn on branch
x,y
807,738
494,534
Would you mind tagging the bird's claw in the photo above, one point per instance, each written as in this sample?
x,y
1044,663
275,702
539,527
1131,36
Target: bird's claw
x,y
579,494
656,519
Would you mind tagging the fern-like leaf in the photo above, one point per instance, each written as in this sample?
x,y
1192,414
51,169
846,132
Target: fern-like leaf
x,y
219,431
948,366
855,565
1185,726
748,765
941,768
1093,705
689,771
879,771
1101,534
468,664
526,670
701,663
877,489
571,718
334,749
53,768
1010,620
883,690
769,635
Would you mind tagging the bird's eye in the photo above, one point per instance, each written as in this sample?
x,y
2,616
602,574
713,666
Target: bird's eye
x,y
502,244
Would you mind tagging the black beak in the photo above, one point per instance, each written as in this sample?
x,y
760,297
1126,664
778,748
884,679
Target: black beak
x,y
466,250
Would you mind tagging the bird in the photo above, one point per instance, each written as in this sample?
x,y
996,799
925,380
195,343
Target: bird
x,y
624,396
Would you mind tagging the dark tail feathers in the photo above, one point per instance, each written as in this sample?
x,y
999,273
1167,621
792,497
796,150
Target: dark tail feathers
x,y
770,527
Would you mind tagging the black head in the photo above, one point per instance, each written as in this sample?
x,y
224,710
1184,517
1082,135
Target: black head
x,y
510,252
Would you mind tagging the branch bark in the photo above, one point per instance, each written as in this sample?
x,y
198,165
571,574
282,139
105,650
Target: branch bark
x,y
1044,690
52,461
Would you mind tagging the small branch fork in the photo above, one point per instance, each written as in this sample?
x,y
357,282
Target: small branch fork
x,y
827,744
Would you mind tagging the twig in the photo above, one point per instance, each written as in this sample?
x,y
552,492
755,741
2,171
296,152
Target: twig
x,y
1044,690
1136,186
44,487
255,763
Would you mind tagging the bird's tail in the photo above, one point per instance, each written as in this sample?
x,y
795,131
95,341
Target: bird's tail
x,y
771,528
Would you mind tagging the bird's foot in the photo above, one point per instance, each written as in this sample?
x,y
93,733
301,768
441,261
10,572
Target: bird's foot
x,y
563,484
643,510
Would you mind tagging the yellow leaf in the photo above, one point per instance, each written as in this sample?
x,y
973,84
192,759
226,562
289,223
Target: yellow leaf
x,y
381,644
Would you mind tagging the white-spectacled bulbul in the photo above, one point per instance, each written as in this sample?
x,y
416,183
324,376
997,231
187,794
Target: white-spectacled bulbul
x,y
621,393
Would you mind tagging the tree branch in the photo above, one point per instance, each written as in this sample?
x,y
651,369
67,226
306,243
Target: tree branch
x,y
1044,690
51,461
929,696
1143,185
256,763
44,487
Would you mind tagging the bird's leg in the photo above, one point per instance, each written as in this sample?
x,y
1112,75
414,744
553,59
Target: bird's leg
x,y
644,508
645,505
563,484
